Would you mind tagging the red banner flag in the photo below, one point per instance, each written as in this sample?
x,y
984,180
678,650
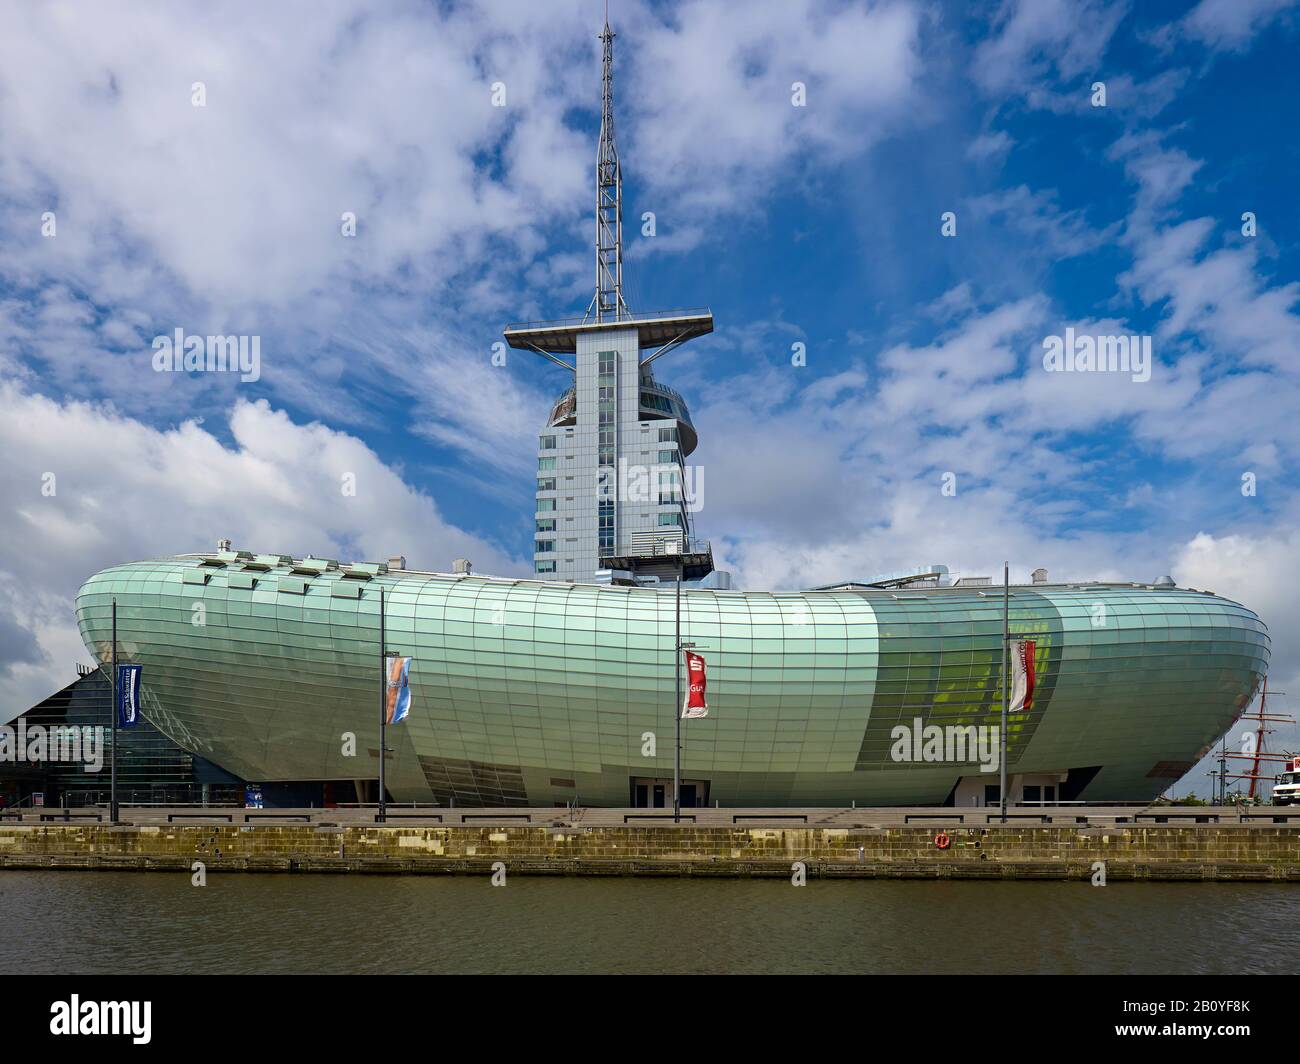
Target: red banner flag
x,y
1022,676
695,706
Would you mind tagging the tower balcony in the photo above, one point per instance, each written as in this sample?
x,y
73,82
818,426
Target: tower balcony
x,y
656,401
565,410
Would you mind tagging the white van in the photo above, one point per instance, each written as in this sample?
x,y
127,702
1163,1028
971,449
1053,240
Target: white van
x,y
1287,789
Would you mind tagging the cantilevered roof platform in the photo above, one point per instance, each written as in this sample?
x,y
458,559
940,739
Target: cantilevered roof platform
x,y
693,563
653,330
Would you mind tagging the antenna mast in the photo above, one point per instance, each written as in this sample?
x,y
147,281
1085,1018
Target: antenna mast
x,y
608,304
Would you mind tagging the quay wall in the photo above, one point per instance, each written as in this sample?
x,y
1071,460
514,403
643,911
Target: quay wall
x,y
1135,852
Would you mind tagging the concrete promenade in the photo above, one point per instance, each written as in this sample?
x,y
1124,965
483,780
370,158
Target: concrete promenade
x,y
1127,842
585,816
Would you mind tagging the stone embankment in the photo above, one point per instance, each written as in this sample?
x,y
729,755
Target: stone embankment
x,y
1182,851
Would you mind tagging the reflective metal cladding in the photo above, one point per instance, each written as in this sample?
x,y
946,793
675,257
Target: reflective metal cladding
x,y
532,692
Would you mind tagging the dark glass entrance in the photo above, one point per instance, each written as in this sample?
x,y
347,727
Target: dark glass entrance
x,y
652,793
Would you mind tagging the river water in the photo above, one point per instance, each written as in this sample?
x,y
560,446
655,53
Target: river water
x,y
107,922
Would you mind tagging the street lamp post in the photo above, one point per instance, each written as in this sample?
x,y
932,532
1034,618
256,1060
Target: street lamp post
x,y
678,708
112,712
677,705
383,708
1006,674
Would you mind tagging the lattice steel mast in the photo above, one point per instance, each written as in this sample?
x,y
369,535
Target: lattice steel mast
x,y
608,303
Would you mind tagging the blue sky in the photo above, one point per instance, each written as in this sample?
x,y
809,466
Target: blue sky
x,y
817,224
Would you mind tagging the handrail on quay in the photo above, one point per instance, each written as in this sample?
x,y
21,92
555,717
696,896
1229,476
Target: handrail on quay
x,y
686,817
363,814
409,816
800,818
271,814
1165,817
527,818
229,818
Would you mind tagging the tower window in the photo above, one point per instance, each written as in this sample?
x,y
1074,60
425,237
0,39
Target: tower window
x,y
605,525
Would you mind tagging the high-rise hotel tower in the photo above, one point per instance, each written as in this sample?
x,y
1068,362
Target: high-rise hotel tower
x,y
614,494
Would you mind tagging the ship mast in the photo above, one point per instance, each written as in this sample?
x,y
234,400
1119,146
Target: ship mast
x,y
1258,754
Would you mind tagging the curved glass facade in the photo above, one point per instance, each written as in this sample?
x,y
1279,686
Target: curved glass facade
x,y
527,691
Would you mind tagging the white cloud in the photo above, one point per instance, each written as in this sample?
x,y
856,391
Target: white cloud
x,y
1042,227
1039,44
226,218
125,491
1252,568
712,100
310,111
387,113
823,479
989,146
1217,294
1161,173
1230,25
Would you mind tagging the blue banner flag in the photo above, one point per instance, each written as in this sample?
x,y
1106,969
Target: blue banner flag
x,y
398,703
128,695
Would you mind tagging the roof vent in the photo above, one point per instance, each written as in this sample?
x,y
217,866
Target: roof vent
x,y
462,565
1039,576
224,544
397,561
1165,581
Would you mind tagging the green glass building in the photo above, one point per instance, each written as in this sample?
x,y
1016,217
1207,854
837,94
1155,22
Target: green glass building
x,y
151,769
543,691
529,692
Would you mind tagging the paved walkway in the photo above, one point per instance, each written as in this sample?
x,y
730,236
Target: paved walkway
x,y
405,815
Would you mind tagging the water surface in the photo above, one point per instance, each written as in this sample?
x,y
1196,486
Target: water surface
x,y
105,922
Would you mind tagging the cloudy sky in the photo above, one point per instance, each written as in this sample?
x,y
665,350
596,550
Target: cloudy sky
x,y
190,166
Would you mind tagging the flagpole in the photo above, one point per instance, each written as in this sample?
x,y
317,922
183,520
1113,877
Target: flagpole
x,y
112,710
1006,649
677,706
383,707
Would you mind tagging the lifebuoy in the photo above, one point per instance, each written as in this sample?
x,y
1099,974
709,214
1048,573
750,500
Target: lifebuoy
x,y
942,841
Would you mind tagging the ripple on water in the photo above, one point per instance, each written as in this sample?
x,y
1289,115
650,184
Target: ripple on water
x,y
132,922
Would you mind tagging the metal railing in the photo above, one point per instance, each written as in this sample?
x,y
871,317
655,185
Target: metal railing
x,y
659,548
669,393
656,315
672,393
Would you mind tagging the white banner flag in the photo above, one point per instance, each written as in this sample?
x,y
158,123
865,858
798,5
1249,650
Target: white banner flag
x,y
1022,676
